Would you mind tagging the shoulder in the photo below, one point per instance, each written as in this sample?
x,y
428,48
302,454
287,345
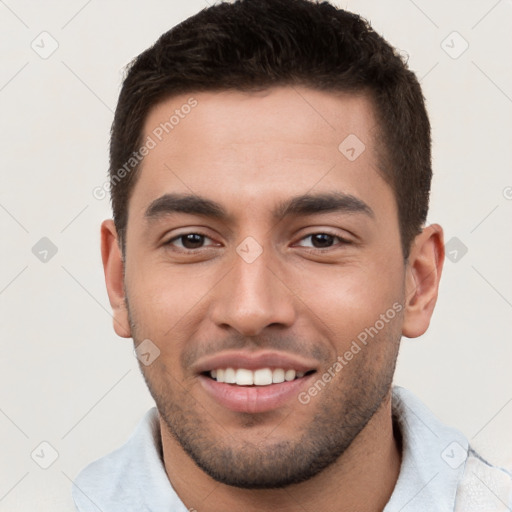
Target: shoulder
x,y
118,481
440,465
483,486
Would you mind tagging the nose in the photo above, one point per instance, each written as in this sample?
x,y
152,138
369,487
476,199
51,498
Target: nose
x,y
252,297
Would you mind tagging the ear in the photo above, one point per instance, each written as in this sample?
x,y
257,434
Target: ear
x,y
114,278
423,272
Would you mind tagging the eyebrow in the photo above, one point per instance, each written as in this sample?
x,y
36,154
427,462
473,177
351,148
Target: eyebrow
x,y
306,204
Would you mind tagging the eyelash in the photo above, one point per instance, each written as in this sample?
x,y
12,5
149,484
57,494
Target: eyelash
x,y
342,241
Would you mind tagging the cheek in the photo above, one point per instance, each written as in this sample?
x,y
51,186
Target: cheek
x,y
163,298
346,300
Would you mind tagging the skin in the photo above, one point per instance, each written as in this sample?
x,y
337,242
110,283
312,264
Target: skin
x,y
249,152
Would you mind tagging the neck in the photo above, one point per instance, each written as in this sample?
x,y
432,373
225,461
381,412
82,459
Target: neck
x,y
371,462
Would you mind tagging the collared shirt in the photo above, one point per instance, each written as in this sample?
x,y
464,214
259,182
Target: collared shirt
x,y
439,472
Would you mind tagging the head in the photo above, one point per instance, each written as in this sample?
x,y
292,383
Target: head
x,y
256,45
273,221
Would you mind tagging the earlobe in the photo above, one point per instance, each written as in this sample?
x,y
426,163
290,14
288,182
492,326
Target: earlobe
x,y
114,277
423,273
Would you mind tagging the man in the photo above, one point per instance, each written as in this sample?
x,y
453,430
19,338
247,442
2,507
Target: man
x,y
270,174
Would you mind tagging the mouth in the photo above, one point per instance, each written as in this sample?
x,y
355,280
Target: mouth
x,y
254,382
258,377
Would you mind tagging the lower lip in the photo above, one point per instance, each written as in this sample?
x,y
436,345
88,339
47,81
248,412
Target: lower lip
x,y
253,399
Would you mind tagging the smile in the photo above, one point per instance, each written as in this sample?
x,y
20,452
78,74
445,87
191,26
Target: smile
x,y
254,382
258,377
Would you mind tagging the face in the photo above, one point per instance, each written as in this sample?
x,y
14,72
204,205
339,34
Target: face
x,y
259,255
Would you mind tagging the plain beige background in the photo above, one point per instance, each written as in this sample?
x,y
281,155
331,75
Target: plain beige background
x,y
67,380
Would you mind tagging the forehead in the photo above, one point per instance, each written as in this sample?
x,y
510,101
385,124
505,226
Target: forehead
x,y
248,148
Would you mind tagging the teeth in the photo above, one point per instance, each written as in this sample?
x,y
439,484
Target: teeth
x,y
289,375
278,376
263,377
260,377
244,377
229,376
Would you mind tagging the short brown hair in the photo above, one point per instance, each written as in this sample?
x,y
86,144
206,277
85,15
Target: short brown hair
x,y
256,44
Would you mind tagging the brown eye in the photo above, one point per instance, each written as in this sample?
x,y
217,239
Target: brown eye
x,y
321,241
189,241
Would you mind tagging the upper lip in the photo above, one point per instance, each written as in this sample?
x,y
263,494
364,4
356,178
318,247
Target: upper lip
x,y
254,361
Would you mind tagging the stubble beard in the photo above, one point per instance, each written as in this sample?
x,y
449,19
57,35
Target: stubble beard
x,y
340,414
